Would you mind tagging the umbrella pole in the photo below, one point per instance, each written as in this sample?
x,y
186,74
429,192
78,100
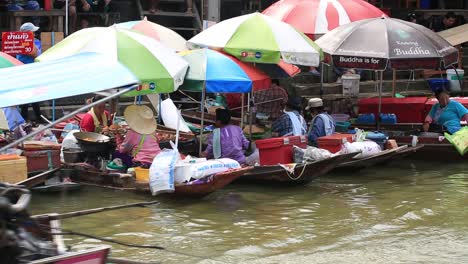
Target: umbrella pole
x,y
53,110
242,111
250,118
380,99
202,119
321,78
66,18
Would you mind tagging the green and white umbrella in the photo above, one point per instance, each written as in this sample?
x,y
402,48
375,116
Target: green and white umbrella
x,y
261,39
159,68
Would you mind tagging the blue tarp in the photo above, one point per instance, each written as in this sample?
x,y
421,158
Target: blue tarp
x,y
79,74
13,117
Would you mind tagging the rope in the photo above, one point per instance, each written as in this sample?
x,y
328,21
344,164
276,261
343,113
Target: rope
x,y
298,177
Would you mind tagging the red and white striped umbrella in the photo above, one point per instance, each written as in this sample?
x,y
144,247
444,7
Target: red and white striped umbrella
x,y
317,17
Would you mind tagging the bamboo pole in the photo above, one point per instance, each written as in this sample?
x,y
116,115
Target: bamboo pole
x,y
90,211
202,120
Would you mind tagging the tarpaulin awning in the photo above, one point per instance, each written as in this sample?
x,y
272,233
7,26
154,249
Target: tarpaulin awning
x,y
79,74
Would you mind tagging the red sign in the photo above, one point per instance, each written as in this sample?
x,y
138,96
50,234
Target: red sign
x,y
14,43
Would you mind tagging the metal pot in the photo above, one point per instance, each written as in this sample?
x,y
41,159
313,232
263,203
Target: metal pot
x,y
93,142
73,155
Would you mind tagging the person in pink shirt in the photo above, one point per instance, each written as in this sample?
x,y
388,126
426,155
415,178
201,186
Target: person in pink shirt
x,y
141,141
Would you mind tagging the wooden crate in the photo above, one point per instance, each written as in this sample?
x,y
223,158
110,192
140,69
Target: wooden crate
x,y
13,171
47,41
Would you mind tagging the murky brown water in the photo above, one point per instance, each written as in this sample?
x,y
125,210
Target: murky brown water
x,y
403,213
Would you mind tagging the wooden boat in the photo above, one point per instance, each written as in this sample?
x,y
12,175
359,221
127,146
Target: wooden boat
x,y
87,174
209,119
298,173
383,157
43,234
58,187
433,150
202,188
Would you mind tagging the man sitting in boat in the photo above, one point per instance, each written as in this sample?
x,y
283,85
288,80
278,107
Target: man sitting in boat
x,y
447,113
97,118
226,141
322,123
291,123
141,141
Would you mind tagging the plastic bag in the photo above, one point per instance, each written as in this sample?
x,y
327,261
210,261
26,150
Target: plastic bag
x,y
253,158
69,142
313,154
298,154
360,135
459,140
367,148
169,114
209,167
161,171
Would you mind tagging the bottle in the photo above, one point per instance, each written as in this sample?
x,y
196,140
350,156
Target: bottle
x,y
47,5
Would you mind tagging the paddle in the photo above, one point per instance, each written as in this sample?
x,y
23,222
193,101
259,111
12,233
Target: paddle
x,y
90,211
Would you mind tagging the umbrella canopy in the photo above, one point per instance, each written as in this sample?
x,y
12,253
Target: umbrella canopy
x,y
166,36
221,73
378,43
75,75
260,39
8,61
278,71
317,17
159,69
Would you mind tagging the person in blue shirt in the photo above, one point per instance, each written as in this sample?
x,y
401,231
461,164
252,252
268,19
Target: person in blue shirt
x,y
322,124
447,113
291,123
29,58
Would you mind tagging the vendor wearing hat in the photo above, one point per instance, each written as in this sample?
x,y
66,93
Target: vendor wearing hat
x,y
291,123
322,124
226,141
447,113
141,140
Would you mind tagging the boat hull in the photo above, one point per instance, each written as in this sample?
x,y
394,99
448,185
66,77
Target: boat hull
x,y
84,174
301,175
433,150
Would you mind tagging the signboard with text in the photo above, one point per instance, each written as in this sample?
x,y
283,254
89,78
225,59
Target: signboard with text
x,y
14,43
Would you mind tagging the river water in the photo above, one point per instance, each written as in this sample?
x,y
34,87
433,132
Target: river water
x,y
402,213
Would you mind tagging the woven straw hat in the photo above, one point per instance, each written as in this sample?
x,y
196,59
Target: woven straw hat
x,y
140,118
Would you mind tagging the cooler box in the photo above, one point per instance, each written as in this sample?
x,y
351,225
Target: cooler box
x,y
377,137
279,150
333,143
42,160
433,101
407,110
13,171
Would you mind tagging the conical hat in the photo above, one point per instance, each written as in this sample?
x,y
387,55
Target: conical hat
x,y
140,118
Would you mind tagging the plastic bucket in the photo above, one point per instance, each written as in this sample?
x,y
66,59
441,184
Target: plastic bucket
x,y
350,84
142,175
455,77
425,4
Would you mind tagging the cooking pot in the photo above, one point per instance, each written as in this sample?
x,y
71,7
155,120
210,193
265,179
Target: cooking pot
x,y
93,142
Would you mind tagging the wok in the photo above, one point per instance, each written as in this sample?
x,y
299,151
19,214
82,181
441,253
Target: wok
x,y
93,142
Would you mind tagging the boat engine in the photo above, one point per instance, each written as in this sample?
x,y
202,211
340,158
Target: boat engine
x,y
20,240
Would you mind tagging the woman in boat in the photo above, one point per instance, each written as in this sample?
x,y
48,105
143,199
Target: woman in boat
x,y
322,123
447,113
141,141
97,119
291,123
226,141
